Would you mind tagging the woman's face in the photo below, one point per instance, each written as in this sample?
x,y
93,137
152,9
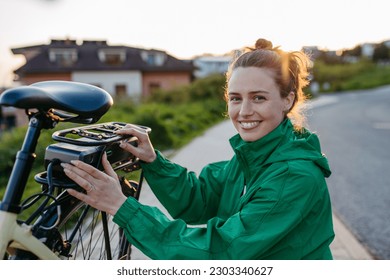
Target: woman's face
x,y
255,105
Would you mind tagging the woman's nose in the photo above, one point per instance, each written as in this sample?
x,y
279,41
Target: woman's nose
x,y
246,108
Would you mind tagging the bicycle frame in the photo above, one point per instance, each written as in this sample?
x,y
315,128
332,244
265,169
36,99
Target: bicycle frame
x,y
20,237
13,235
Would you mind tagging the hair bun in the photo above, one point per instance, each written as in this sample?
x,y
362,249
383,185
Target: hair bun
x,y
263,44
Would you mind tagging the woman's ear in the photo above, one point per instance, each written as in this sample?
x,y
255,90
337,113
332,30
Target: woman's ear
x,y
289,101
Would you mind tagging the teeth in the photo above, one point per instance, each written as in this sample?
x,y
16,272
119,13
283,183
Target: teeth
x,y
249,124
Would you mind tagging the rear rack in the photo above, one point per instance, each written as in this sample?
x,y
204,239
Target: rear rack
x,y
93,135
87,144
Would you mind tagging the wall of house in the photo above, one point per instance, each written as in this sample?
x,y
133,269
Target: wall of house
x,y
165,81
34,78
132,80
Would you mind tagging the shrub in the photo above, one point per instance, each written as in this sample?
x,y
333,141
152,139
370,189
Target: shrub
x,y
350,76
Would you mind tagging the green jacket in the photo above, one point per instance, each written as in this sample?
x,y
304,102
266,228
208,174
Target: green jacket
x,y
270,201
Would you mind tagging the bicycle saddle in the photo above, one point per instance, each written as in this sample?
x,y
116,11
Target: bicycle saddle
x,y
84,100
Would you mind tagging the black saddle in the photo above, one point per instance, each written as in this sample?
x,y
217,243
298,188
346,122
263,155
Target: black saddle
x,y
84,100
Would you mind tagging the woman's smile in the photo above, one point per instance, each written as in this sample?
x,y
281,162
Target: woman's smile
x,y
249,124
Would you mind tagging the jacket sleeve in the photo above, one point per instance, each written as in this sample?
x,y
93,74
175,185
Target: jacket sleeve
x,y
184,195
267,215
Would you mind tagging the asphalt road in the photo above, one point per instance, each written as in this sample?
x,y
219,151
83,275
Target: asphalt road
x,y
354,129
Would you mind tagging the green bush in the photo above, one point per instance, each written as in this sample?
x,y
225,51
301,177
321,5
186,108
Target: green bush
x,y
211,87
11,143
350,76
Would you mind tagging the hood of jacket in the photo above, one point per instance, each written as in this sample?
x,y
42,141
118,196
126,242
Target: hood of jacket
x,y
281,144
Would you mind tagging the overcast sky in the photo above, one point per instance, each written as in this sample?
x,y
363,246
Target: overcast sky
x,y
185,28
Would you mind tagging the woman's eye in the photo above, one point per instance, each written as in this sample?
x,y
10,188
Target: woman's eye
x,y
234,99
259,98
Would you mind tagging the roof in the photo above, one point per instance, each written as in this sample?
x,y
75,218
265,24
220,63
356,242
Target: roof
x,y
87,58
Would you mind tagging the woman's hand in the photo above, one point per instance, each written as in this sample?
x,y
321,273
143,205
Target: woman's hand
x,y
144,150
103,189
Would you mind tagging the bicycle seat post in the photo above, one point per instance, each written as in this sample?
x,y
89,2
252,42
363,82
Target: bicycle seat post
x,y
23,164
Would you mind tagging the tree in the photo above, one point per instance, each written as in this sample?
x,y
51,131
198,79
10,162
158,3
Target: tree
x,y
381,53
356,52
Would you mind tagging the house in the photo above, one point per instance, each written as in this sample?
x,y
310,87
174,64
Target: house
x,y
368,50
211,64
120,70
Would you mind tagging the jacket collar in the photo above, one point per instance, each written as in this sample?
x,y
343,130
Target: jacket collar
x,y
253,155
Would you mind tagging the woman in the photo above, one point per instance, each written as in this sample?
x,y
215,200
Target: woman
x,y
270,201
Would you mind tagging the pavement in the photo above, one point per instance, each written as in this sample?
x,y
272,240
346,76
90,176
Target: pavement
x,y
214,146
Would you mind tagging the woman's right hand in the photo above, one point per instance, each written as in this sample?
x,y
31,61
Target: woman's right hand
x,y
144,149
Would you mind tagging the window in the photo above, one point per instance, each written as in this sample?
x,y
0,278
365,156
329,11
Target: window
x,y
153,86
63,57
151,59
154,58
112,56
7,122
113,59
120,90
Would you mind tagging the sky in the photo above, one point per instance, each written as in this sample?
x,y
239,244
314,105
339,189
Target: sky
x,y
186,28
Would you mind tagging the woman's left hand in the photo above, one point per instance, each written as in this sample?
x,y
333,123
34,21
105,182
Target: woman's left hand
x,y
103,190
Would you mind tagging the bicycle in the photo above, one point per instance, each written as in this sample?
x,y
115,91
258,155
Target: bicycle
x,y
63,227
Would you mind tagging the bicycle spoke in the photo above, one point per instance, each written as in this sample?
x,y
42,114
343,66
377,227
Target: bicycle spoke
x,y
84,230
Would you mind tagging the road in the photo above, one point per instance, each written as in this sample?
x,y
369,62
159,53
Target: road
x,y
354,129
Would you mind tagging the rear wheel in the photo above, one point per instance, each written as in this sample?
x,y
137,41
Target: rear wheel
x,y
76,231
91,234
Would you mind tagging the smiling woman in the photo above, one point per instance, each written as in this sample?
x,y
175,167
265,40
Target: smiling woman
x,y
269,201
